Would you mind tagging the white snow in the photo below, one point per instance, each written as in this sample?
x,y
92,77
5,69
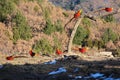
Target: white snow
x,y
78,77
1,66
51,62
60,70
96,75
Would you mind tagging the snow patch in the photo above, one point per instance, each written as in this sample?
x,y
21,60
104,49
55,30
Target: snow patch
x,y
60,70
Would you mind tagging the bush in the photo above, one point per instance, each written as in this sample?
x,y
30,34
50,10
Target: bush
x,y
109,18
80,36
21,30
89,43
101,44
59,26
40,1
86,22
7,7
16,1
109,35
36,8
97,43
46,13
57,43
49,28
43,46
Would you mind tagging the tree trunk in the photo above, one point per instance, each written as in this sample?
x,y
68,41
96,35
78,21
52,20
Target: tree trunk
x,y
73,34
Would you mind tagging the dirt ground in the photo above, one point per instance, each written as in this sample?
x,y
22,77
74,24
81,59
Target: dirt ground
x,y
35,69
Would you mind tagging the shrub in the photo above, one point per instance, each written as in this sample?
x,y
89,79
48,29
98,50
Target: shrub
x,y
40,1
36,8
46,13
109,35
59,26
16,1
101,44
80,36
7,7
109,18
43,46
57,43
95,43
21,30
89,43
86,22
49,28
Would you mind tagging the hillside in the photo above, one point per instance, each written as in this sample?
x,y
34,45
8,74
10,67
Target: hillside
x,y
38,17
33,31
35,14
87,5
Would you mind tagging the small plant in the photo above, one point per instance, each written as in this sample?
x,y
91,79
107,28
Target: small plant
x,y
57,43
7,33
16,1
109,18
86,22
46,13
40,1
43,46
109,35
36,8
59,26
80,36
7,7
89,43
95,43
21,30
101,44
49,28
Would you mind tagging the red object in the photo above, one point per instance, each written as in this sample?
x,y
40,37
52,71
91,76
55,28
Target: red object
x,y
32,54
77,14
10,58
82,50
58,52
108,9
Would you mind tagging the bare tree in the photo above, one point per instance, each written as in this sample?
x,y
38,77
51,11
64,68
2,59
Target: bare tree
x,y
92,17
